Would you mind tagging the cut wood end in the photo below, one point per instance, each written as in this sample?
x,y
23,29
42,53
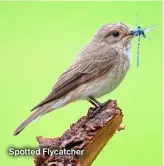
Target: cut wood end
x,y
121,127
90,133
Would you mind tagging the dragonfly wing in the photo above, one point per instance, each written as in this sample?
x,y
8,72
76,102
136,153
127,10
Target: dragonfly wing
x,y
148,29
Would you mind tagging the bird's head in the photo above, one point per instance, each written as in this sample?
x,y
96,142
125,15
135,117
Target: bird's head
x,y
114,34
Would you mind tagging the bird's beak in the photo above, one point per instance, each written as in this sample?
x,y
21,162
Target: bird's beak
x,y
132,33
128,36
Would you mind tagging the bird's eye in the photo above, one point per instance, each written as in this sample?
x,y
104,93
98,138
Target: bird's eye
x,y
116,34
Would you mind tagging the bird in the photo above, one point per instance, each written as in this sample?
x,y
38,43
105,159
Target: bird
x,y
97,70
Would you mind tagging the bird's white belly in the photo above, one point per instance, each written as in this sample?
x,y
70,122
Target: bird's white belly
x,y
105,84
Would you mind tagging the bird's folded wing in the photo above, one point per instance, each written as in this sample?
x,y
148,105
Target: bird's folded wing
x,y
84,70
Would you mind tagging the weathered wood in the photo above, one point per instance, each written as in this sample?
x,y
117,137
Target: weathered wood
x,y
90,133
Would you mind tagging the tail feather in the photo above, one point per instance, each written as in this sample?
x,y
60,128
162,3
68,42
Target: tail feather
x,y
33,116
42,110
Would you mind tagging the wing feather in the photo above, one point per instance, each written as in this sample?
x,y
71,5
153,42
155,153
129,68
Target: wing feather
x,y
83,70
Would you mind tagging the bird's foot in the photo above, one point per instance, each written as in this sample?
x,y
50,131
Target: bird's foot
x,y
98,106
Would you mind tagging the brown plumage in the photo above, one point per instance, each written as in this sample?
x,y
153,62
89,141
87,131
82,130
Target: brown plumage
x,y
84,70
101,63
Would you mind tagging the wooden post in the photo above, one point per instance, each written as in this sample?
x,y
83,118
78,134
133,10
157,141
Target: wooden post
x,y
90,133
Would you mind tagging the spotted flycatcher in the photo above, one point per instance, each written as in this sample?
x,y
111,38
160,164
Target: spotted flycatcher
x,y
97,70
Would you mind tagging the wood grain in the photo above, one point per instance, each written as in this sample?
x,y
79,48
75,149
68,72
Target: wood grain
x,y
91,133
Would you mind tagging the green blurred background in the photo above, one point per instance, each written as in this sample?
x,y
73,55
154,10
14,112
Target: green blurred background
x,y
39,40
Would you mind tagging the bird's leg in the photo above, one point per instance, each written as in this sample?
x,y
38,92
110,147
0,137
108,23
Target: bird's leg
x,y
97,105
95,102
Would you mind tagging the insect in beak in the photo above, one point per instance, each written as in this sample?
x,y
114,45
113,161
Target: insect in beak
x,y
138,33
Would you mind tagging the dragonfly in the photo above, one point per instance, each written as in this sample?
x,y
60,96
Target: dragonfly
x,y
141,32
